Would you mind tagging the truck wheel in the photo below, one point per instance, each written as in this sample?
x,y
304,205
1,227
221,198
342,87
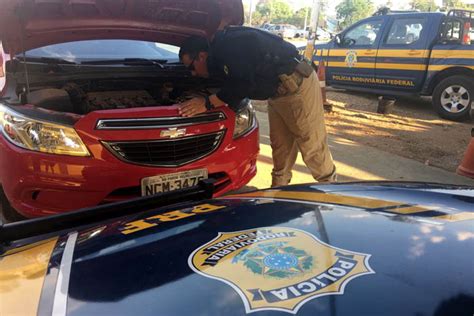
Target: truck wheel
x,y
7,212
453,97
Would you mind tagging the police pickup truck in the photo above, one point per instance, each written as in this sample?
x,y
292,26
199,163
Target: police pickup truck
x,y
428,54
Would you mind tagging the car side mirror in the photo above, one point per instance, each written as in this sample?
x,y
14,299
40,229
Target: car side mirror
x,y
338,39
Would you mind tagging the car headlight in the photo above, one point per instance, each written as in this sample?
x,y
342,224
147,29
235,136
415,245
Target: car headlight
x,y
244,120
40,136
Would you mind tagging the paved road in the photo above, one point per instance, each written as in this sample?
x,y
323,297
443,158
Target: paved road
x,y
354,162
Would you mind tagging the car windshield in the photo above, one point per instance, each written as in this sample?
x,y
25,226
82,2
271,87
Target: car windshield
x,y
106,50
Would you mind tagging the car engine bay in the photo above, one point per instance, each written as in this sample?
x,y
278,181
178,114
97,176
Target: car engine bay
x,y
82,97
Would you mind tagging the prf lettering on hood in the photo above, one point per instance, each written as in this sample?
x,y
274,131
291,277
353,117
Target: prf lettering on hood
x,y
152,221
278,268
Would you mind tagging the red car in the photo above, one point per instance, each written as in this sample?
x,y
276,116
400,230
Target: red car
x,y
88,104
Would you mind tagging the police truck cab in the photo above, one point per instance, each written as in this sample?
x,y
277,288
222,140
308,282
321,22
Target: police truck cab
x,y
427,54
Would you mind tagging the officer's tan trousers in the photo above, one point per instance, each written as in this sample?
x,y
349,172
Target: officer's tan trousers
x,y
297,122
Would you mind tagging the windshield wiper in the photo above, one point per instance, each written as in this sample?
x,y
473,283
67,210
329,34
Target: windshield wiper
x,y
127,62
45,60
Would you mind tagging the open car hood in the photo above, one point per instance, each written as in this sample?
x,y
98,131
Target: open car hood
x,y
28,24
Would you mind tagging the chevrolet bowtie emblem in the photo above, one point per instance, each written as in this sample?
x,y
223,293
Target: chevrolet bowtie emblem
x,y
173,133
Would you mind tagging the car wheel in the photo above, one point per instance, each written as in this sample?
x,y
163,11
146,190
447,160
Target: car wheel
x,y
453,97
7,212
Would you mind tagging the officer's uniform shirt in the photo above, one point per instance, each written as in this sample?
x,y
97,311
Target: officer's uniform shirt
x,y
249,61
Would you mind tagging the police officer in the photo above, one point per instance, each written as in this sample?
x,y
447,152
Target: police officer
x,y
258,65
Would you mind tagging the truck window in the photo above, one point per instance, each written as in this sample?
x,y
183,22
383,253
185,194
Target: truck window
x,y
451,32
405,31
364,34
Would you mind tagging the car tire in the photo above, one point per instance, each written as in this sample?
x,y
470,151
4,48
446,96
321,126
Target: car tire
x,y
7,212
453,97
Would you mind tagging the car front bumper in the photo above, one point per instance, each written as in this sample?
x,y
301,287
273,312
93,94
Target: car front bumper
x,y
38,184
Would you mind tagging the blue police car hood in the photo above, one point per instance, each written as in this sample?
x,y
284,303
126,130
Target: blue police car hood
x,y
345,249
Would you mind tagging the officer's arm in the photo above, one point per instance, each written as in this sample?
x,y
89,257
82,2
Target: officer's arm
x,y
234,91
215,101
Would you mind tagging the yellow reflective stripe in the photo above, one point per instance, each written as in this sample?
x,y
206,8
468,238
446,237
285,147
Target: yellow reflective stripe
x,y
439,53
403,53
359,52
442,67
464,216
420,67
356,65
359,202
322,197
21,279
338,52
409,210
23,248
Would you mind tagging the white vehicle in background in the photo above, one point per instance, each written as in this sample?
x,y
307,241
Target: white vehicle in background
x,y
266,26
284,30
321,34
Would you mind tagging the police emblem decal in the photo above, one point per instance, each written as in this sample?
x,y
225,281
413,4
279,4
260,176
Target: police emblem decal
x,y
278,268
351,58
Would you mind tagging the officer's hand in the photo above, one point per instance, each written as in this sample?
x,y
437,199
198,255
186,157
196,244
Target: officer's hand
x,y
192,107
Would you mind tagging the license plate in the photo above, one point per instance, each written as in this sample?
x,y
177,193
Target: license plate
x,y
172,181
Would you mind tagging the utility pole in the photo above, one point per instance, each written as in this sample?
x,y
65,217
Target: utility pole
x,y
250,13
314,29
306,18
316,13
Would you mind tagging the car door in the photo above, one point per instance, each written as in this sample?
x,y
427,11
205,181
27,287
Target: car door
x,y
351,61
403,55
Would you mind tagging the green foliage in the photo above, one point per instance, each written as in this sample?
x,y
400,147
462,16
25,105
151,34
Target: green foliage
x,y
277,11
457,4
351,11
298,18
424,5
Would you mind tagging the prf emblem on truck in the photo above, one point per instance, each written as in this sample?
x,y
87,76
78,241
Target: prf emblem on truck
x,y
278,268
351,58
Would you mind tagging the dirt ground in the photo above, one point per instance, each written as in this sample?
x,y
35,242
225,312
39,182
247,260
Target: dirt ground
x,y
413,130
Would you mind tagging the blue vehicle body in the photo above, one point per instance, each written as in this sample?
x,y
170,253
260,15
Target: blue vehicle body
x,y
414,63
340,249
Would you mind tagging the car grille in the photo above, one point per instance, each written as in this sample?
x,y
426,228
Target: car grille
x,y
159,122
169,152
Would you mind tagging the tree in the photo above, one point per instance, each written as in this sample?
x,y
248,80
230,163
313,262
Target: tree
x,y
276,11
351,11
457,4
299,17
424,5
